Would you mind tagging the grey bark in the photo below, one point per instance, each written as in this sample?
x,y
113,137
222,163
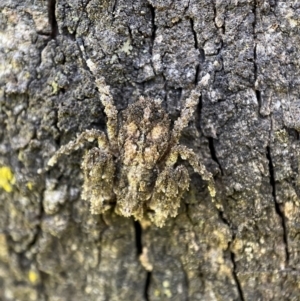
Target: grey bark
x,y
243,246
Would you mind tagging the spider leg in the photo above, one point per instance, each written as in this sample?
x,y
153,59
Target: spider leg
x,y
186,114
173,182
110,111
98,168
169,188
88,135
106,99
189,155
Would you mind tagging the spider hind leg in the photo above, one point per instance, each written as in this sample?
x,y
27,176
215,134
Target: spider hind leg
x,y
98,168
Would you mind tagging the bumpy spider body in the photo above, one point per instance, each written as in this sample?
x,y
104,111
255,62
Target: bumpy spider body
x,y
134,165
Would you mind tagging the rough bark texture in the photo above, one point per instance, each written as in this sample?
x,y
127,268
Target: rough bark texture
x,y
243,246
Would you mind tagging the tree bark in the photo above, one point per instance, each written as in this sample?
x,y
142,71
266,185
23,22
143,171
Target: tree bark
x,y
243,245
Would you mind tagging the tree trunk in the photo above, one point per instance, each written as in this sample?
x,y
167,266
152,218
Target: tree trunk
x,y
241,245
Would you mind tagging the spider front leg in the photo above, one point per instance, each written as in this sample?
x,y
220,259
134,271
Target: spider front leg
x,y
88,135
172,182
189,155
186,114
110,111
98,168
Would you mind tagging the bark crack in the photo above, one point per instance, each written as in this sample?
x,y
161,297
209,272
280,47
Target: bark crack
x,y
138,238
197,74
202,55
235,276
257,92
153,33
232,258
147,285
139,251
114,6
210,140
277,205
52,18
201,51
154,27
194,33
213,152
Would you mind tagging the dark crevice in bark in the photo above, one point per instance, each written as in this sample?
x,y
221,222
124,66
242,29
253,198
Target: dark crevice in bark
x,y
153,33
223,30
154,27
196,47
194,34
52,18
114,6
197,74
224,219
215,12
236,278
139,251
221,45
210,139
254,62
257,92
147,286
232,258
254,37
130,33
202,55
277,205
55,125
259,101
36,235
198,114
186,8
213,152
138,238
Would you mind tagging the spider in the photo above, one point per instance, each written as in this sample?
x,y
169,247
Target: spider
x,y
135,164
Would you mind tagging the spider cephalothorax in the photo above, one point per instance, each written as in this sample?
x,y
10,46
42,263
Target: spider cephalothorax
x,y
134,165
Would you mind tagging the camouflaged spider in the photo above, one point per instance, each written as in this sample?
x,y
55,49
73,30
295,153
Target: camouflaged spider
x,y
135,166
